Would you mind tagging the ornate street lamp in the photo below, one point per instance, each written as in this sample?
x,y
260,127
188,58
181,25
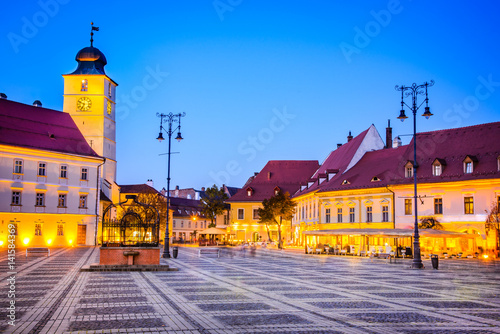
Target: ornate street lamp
x,y
170,119
406,91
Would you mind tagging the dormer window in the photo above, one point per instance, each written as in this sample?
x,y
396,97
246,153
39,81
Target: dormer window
x,y
249,191
438,166
85,85
330,173
498,163
277,190
375,179
303,187
345,182
409,169
469,162
310,182
322,178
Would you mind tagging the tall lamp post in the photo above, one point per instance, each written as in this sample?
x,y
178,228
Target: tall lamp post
x,y
413,91
170,119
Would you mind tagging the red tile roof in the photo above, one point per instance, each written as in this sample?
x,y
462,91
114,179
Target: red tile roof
x,y
452,146
40,128
286,174
137,189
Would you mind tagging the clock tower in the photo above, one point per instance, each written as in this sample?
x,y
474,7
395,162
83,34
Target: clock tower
x,y
89,97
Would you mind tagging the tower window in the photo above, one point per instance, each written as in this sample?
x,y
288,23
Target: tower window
x,y
109,89
85,85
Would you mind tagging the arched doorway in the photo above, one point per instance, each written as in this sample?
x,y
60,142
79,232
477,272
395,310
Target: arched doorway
x,y
255,237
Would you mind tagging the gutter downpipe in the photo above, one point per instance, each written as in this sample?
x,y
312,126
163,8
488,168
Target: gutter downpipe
x,y
98,192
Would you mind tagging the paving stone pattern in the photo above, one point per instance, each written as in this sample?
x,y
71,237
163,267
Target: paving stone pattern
x,y
242,293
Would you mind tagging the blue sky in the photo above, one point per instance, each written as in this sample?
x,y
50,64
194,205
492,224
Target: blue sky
x,y
258,80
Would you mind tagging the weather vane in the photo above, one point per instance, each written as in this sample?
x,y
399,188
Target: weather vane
x,y
92,33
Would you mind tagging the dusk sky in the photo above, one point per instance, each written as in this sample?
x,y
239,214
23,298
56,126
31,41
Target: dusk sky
x,y
258,80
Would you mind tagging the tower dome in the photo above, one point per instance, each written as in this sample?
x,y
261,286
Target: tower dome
x,y
90,61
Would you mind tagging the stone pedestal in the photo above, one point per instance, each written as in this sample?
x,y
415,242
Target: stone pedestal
x,y
129,256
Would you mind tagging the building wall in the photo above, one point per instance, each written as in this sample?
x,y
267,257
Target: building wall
x,y
183,227
50,214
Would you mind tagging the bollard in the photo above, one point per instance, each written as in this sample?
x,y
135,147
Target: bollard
x,y
175,251
435,261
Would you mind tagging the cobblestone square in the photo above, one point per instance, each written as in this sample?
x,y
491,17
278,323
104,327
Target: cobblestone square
x,y
271,292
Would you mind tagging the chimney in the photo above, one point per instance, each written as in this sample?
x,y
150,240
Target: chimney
x,y
37,103
197,195
150,183
176,187
349,138
269,175
388,135
256,173
202,188
397,142
3,96
338,145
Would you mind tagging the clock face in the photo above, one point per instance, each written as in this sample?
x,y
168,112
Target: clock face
x,y
108,108
84,104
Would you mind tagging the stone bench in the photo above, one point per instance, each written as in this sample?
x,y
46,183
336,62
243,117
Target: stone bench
x,y
38,250
209,251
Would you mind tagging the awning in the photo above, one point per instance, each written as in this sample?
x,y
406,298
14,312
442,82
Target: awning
x,y
213,230
390,233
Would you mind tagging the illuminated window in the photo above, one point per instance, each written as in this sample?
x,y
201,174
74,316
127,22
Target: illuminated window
x,y
85,85
83,202
352,215
436,170
16,198
327,215
256,214
369,214
109,89
469,163
61,203
438,206
60,230
241,214
63,174
40,199
385,213
18,167
408,207
38,229
84,175
339,215
469,205
42,169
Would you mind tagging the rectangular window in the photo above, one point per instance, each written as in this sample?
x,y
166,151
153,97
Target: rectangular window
x,y
327,215
84,174
409,171
369,214
63,174
408,207
16,198
241,214
40,199
256,214
42,169
182,223
436,170
468,167
352,216
438,206
85,85
339,215
83,202
469,205
60,230
109,90
62,201
189,224
38,229
385,213
173,224
18,167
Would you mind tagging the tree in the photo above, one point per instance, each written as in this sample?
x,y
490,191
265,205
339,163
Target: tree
x,y
276,209
213,204
493,223
430,223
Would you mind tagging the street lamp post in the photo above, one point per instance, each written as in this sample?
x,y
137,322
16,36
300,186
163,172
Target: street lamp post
x,y
170,119
413,91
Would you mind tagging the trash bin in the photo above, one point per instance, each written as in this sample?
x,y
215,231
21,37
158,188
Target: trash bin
x,y
175,251
435,261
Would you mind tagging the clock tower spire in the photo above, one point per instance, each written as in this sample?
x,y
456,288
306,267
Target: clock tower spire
x,y
89,97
